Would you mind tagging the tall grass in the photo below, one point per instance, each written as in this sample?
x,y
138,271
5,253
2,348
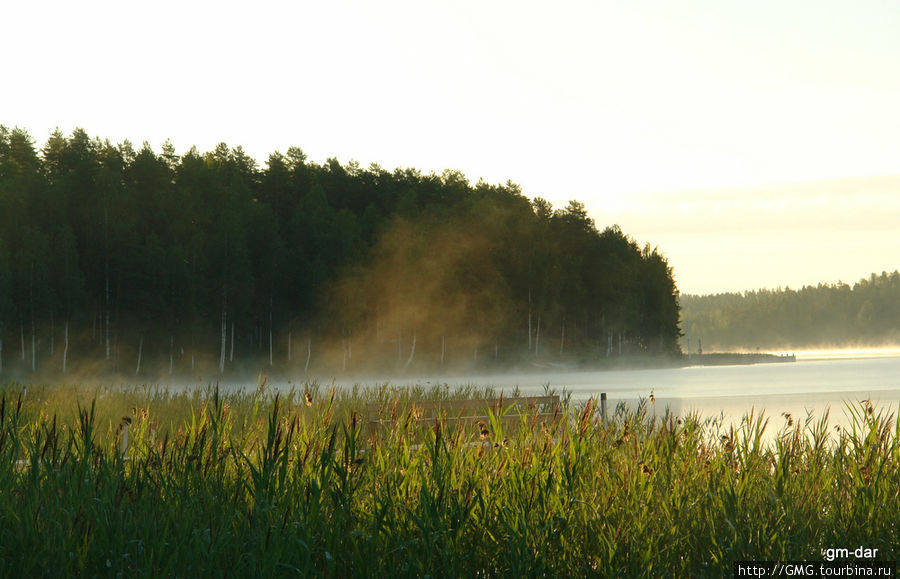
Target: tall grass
x,y
261,483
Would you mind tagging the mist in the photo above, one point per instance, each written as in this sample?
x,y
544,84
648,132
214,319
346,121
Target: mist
x,y
825,316
154,267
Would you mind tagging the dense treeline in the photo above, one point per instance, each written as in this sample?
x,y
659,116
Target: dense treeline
x,y
118,259
866,314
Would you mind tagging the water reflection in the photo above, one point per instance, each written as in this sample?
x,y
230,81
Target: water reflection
x,y
811,385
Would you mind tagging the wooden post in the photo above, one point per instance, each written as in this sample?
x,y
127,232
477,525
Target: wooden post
x,y
123,441
603,406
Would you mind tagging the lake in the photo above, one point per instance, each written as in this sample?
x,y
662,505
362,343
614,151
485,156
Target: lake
x,y
817,382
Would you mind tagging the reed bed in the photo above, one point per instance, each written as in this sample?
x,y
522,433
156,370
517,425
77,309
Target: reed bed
x,y
260,483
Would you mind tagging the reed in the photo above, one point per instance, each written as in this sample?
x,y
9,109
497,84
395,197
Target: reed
x,y
262,483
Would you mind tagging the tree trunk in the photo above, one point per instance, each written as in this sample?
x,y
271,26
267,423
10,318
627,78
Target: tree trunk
x,y
562,339
537,338
106,265
412,351
443,348
529,320
271,347
140,355
231,353
107,310
308,355
66,346
222,350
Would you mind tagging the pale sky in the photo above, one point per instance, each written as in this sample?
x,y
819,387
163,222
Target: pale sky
x,y
658,115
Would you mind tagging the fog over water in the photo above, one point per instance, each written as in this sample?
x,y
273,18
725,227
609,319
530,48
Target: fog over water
x,y
818,382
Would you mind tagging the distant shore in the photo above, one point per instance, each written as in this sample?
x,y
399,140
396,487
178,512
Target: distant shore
x,y
732,358
677,361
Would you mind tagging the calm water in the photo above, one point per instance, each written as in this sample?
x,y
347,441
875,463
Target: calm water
x,y
814,383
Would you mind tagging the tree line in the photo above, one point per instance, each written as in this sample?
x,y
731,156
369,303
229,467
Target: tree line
x,y
827,315
121,259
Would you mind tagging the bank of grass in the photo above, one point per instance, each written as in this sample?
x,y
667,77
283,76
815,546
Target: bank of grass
x,y
257,483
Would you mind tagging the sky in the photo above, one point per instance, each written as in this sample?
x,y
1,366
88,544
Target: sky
x,y
757,144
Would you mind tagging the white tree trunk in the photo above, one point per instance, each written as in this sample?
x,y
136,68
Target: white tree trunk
x,y
222,350
140,355
443,348
562,339
529,321
412,352
308,355
66,347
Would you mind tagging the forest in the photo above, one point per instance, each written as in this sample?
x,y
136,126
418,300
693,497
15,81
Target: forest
x,y
116,260
822,316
